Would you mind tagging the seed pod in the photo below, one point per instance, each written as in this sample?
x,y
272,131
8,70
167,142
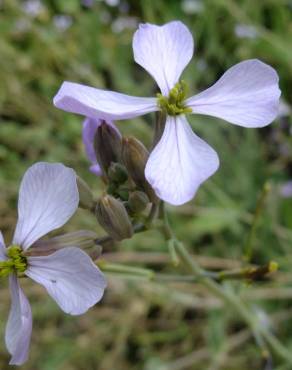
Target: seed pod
x,y
113,217
86,199
107,146
138,201
134,157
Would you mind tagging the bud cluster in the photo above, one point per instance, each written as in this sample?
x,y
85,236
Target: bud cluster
x,y
123,161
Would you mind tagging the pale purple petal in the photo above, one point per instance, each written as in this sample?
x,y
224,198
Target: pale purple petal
x,y
164,51
70,277
101,104
96,169
90,126
19,324
180,162
286,189
246,95
48,197
2,248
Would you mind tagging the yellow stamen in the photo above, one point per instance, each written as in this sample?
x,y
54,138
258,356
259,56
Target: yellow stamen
x,y
173,104
16,262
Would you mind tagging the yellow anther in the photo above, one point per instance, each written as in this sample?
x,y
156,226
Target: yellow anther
x,y
16,262
173,104
273,266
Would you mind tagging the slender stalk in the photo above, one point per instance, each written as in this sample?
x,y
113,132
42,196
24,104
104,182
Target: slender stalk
x,y
106,239
248,247
250,273
159,127
151,216
123,269
262,335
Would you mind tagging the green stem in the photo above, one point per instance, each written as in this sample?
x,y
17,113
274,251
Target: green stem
x,y
250,273
248,247
165,227
159,127
124,269
106,239
151,216
261,335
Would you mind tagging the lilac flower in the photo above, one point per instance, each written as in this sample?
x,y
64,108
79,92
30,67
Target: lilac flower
x,y
286,189
48,197
246,95
246,31
90,126
62,21
33,7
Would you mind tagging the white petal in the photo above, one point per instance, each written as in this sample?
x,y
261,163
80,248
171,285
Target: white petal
x,y
48,197
164,51
246,95
19,324
70,277
180,162
2,248
107,105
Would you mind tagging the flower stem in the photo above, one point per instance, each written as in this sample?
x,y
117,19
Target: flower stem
x,y
124,269
248,247
263,337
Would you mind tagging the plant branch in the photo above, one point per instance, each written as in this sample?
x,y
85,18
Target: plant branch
x,y
263,337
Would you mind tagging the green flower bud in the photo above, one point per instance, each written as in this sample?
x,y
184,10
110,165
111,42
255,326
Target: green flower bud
x,y
138,201
123,194
107,145
117,173
86,199
134,157
113,217
112,188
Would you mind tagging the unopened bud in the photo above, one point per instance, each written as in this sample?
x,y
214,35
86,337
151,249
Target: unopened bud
x,y
123,194
86,199
84,239
117,173
134,157
138,201
107,146
113,217
112,188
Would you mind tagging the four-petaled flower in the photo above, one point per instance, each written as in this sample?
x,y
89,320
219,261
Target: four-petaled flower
x,y
246,95
48,197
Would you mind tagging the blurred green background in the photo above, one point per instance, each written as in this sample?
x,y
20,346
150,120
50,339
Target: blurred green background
x,y
139,325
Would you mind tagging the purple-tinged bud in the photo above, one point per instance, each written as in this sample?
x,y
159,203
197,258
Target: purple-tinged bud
x,y
138,201
134,157
86,199
107,146
113,217
84,239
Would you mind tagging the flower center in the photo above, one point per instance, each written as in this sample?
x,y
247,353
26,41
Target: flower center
x,y
173,104
16,262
